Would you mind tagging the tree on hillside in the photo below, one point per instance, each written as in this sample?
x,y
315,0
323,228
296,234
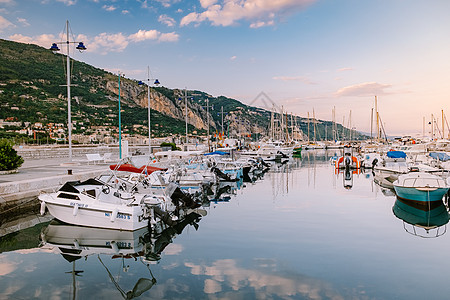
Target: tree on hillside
x,y
9,159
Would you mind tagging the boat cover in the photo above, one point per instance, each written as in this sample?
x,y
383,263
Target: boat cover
x,y
396,154
442,156
216,153
133,169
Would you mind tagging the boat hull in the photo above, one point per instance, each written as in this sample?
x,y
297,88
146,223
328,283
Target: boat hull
x,y
91,215
420,194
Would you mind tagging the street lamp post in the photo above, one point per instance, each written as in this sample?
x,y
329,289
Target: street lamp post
x,y
81,48
186,112
156,82
207,121
120,124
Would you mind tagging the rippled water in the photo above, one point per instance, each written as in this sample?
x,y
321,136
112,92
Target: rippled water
x,y
298,233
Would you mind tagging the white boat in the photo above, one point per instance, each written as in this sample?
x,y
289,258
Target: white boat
x,y
420,187
393,162
94,203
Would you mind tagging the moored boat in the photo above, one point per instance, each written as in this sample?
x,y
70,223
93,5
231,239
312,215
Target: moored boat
x,y
420,187
347,161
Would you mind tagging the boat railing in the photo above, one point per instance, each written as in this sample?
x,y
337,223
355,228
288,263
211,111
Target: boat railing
x,y
427,230
423,182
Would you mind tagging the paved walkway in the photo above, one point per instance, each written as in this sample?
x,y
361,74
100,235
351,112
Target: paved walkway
x,y
47,174
49,167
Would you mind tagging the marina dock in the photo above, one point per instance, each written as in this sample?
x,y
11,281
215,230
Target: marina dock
x,y
45,171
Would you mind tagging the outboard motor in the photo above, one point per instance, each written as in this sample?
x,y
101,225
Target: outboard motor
x,y
347,162
282,154
260,160
177,196
374,162
221,174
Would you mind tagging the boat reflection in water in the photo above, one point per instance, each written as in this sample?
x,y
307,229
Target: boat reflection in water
x,y
75,242
347,176
424,221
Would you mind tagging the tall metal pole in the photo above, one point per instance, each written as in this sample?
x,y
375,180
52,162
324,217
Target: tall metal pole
x,y
186,112
207,121
69,114
120,126
149,108
222,121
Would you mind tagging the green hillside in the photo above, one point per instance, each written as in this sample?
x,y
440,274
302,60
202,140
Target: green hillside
x,y
32,89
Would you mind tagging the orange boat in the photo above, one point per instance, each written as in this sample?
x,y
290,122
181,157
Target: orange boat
x,y
347,160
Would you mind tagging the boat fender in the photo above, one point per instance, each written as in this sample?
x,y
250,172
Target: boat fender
x,y
42,211
75,210
114,246
114,215
76,244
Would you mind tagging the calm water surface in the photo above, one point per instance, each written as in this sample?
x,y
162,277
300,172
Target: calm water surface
x,y
298,233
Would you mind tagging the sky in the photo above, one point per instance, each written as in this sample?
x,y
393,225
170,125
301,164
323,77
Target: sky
x,y
307,56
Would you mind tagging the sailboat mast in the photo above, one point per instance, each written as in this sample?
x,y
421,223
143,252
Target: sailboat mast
x,y
314,125
378,119
308,126
371,124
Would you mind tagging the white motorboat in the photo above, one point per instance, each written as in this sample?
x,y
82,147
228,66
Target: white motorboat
x,y
94,203
394,162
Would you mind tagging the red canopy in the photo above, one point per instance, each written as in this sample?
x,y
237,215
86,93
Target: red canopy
x,y
133,169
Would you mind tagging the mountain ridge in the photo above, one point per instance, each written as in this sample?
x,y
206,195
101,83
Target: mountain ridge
x,y
31,90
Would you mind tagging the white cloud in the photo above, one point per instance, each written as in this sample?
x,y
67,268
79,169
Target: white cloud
x,y
125,12
345,69
262,24
165,19
228,12
294,78
233,58
109,7
102,43
23,21
226,274
105,42
143,35
173,249
68,2
9,2
167,3
190,18
363,90
169,37
5,24
44,40
207,3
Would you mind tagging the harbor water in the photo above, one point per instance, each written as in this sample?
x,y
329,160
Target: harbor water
x,y
300,231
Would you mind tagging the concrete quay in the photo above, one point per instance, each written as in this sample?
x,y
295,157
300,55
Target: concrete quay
x,y
38,175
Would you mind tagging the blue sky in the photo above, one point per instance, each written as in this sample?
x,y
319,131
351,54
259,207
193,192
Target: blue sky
x,y
306,55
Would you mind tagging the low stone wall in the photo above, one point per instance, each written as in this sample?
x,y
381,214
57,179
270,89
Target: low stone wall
x,y
49,152
21,194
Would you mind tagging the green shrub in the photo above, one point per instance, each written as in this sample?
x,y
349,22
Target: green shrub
x,y
9,159
174,147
